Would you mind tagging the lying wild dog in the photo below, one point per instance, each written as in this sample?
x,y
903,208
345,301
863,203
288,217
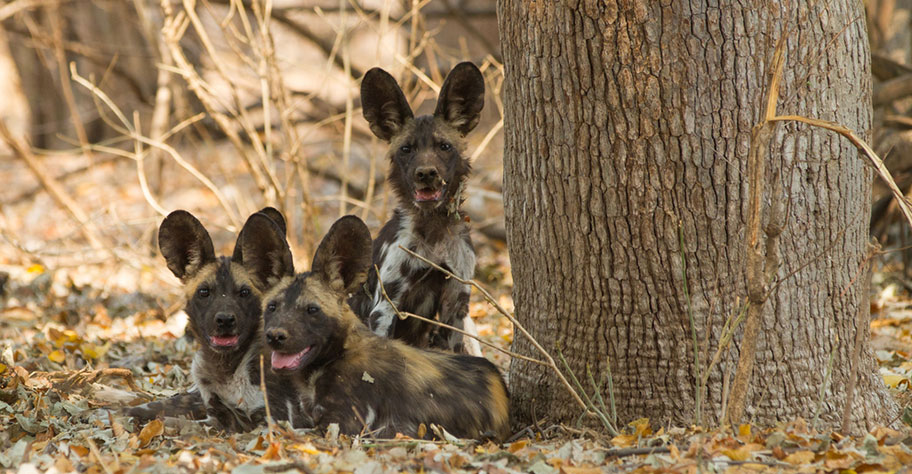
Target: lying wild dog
x,y
225,308
348,375
428,171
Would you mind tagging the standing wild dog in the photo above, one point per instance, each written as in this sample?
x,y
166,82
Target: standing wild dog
x,y
348,375
428,171
225,317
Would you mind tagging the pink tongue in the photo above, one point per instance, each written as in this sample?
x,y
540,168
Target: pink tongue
x,y
287,361
224,341
427,195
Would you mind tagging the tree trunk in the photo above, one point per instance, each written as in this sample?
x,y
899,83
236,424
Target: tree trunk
x,y
627,132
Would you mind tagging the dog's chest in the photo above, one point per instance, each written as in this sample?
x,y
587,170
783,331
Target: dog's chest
x,y
453,252
236,391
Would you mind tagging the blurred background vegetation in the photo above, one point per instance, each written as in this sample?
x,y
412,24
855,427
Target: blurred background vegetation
x,y
116,112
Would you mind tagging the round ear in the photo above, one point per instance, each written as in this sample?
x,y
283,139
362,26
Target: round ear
x,y
185,244
276,217
383,104
461,97
262,250
344,256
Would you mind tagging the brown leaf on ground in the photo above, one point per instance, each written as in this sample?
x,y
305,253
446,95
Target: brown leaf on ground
x,y
800,457
151,430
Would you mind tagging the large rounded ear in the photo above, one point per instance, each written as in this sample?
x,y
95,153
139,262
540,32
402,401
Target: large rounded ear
x,y
383,104
263,251
344,256
461,98
276,217
185,244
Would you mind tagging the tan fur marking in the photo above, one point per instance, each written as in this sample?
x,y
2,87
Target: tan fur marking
x,y
277,289
401,137
206,274
500,401
444,132
241,276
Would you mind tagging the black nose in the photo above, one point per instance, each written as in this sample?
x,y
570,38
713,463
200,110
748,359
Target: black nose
x,y
276,337
225,320
426,174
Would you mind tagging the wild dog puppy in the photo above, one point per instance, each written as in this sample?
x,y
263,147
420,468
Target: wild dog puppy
x,y
428,171
225,308
351,376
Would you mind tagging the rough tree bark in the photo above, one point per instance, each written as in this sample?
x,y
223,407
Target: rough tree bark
x,y
627,132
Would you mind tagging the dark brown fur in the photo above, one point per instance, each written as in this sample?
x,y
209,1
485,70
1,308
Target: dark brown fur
x,y
428,171
362,381
225,303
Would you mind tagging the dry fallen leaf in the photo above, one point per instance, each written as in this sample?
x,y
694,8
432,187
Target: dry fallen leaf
x,y
57,356
274,451
800,457
579,470
624,440
516,446
152,429
742,453
744,431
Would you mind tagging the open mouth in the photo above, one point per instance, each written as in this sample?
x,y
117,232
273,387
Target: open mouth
x,y
289,361
428,194
223,341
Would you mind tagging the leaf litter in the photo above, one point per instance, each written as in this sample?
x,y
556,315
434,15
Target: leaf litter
x,y
71,356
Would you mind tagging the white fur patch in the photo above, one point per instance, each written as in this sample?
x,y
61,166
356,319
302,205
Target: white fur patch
x,y
452,252
472,346
236,393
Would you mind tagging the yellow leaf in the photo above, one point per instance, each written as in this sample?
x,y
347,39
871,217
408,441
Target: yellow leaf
x,y
743,453
152,429
641,427
744,430
94,351
624,441
57,356
799,457
305,448
518,445
893,380
35,268
2,368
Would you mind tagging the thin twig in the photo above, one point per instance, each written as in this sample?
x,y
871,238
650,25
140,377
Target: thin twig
x,y
490,299
65,85
269,423
136,135
404,315
95,452
759,271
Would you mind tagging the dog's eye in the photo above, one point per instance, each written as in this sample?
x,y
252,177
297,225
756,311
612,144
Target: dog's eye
x,y
405,148
245,292
203,292
445,146
271,306
312,309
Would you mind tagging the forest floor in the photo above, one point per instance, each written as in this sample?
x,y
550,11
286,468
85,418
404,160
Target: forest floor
x,y
73,353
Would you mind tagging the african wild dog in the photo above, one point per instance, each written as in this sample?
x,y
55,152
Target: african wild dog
x,y
225,308
351,376
428,171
